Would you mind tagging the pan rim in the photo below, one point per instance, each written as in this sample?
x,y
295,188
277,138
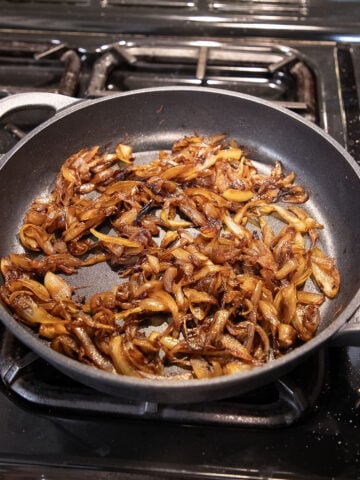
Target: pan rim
x,y
82,104
36,344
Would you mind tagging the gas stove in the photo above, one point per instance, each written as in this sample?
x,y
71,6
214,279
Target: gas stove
x,y
302,426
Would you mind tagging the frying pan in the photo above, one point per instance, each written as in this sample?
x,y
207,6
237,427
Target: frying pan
x,y
150,120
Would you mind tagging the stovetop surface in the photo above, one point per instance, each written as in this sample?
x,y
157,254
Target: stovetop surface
x,y
41,437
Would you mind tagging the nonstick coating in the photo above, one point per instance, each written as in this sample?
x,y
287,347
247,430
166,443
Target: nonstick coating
x,y
151,120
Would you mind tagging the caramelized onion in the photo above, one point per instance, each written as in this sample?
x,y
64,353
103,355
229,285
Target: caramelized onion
x,y
209,284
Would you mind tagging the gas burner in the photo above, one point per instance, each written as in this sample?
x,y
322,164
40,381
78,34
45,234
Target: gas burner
x,y
270,72
29,66
278,74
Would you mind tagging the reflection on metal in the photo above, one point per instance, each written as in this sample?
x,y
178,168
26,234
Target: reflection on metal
x,y
264,8
153,3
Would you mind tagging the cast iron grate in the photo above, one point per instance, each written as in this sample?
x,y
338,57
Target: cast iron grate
x,y
275,73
